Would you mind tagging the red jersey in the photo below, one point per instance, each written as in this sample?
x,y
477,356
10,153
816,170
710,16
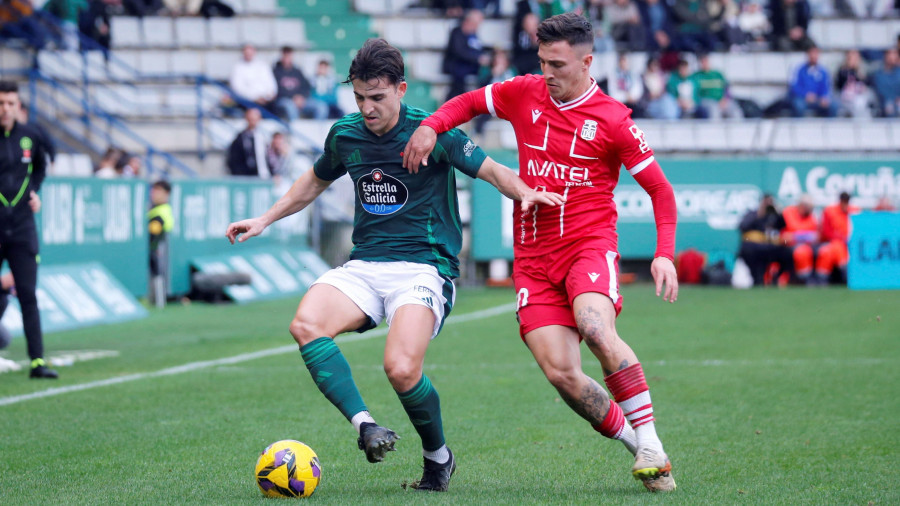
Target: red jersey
x,y
574,148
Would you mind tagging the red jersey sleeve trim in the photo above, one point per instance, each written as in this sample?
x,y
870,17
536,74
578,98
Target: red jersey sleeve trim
x,y
665,212
458,110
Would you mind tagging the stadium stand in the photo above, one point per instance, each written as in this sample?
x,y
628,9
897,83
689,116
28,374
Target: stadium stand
x,y
163,77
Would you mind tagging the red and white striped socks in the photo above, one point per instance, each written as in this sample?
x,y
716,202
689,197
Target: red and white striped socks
x,y
614,427
630,390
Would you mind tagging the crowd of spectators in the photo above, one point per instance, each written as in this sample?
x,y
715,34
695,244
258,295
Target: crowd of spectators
x,y
679,80
283,89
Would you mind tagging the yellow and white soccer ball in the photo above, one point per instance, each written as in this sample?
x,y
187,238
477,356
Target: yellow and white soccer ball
x,y
288,468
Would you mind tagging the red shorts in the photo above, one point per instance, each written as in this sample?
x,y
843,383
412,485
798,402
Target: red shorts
x,y
547,285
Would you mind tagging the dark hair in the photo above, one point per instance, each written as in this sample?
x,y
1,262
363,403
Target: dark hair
x,y
286,49
844,197
570,27
9,87
377,59
163,185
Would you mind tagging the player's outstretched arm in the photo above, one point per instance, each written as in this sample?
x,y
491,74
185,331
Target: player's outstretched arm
x,y
453,113
420,145
511,185
663,271
304,190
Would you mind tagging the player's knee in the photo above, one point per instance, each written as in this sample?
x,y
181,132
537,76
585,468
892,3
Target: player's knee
x,y
599,339
305,331
402,373
564,380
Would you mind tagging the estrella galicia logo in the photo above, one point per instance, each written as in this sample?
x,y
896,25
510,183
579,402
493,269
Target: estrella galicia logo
x,y
381,193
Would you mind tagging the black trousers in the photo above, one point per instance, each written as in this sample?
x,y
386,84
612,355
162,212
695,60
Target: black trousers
x,y
22,258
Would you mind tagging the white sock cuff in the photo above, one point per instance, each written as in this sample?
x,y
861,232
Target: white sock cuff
x,y
361,418
441,455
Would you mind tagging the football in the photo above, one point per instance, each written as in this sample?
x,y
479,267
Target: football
x,y
288,468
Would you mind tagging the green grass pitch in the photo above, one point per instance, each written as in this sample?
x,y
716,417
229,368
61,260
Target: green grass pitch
x,y
761,397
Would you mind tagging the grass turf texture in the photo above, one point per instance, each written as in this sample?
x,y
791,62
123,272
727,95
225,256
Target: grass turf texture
x,y
762,396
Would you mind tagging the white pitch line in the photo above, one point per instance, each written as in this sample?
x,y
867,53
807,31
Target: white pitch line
x,y
195,366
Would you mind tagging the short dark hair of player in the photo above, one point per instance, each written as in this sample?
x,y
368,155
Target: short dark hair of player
x,y
844,198
570,27
377,59
9,87
162,184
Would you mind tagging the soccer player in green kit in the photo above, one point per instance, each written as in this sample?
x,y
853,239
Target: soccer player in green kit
x,y
406,236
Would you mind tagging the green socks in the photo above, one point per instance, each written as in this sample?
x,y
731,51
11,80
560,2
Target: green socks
x,y
423,406
331,372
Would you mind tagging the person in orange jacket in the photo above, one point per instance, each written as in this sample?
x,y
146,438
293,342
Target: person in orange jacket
x,y
835,234
801,234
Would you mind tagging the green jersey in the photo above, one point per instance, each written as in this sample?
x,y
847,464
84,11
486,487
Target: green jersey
x,y
401,216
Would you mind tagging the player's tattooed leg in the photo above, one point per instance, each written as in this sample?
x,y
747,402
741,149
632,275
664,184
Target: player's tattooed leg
x,y
592,403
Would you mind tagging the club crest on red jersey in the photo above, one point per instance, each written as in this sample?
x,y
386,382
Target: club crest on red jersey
x,y
589,130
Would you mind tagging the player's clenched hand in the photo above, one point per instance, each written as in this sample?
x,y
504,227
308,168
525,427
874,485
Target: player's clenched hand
x,y
663,271
34,202
245,229
534,197
418,148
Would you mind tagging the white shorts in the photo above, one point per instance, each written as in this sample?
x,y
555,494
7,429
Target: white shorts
x,y
381,288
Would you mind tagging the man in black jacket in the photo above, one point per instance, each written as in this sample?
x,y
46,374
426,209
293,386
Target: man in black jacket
x,y
464,53
23,165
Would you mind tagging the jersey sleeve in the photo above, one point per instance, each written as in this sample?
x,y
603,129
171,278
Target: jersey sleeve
x,y
496,99
637,157
503,97
630,145
330,166
459,151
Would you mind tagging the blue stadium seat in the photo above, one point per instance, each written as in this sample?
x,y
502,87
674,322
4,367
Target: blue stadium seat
x,y
191,32
223,32
159,32
126,32
256,31
290,32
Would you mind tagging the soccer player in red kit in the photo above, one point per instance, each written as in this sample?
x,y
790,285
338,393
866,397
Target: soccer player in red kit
x,y
573,139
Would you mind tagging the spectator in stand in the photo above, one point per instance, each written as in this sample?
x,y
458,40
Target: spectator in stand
x,y
694,22
660,105
810,88
94,22
755,24
790,20
801,234
627,87
835,234
293,97
655,16
725,23
130,166
761,242
324,90
712,91
626,28
278,156
886,82
525,46
247,153
106,169
464,53
684,90
498,71
183,7
871,8
252,79
850,83
69,13
18,20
